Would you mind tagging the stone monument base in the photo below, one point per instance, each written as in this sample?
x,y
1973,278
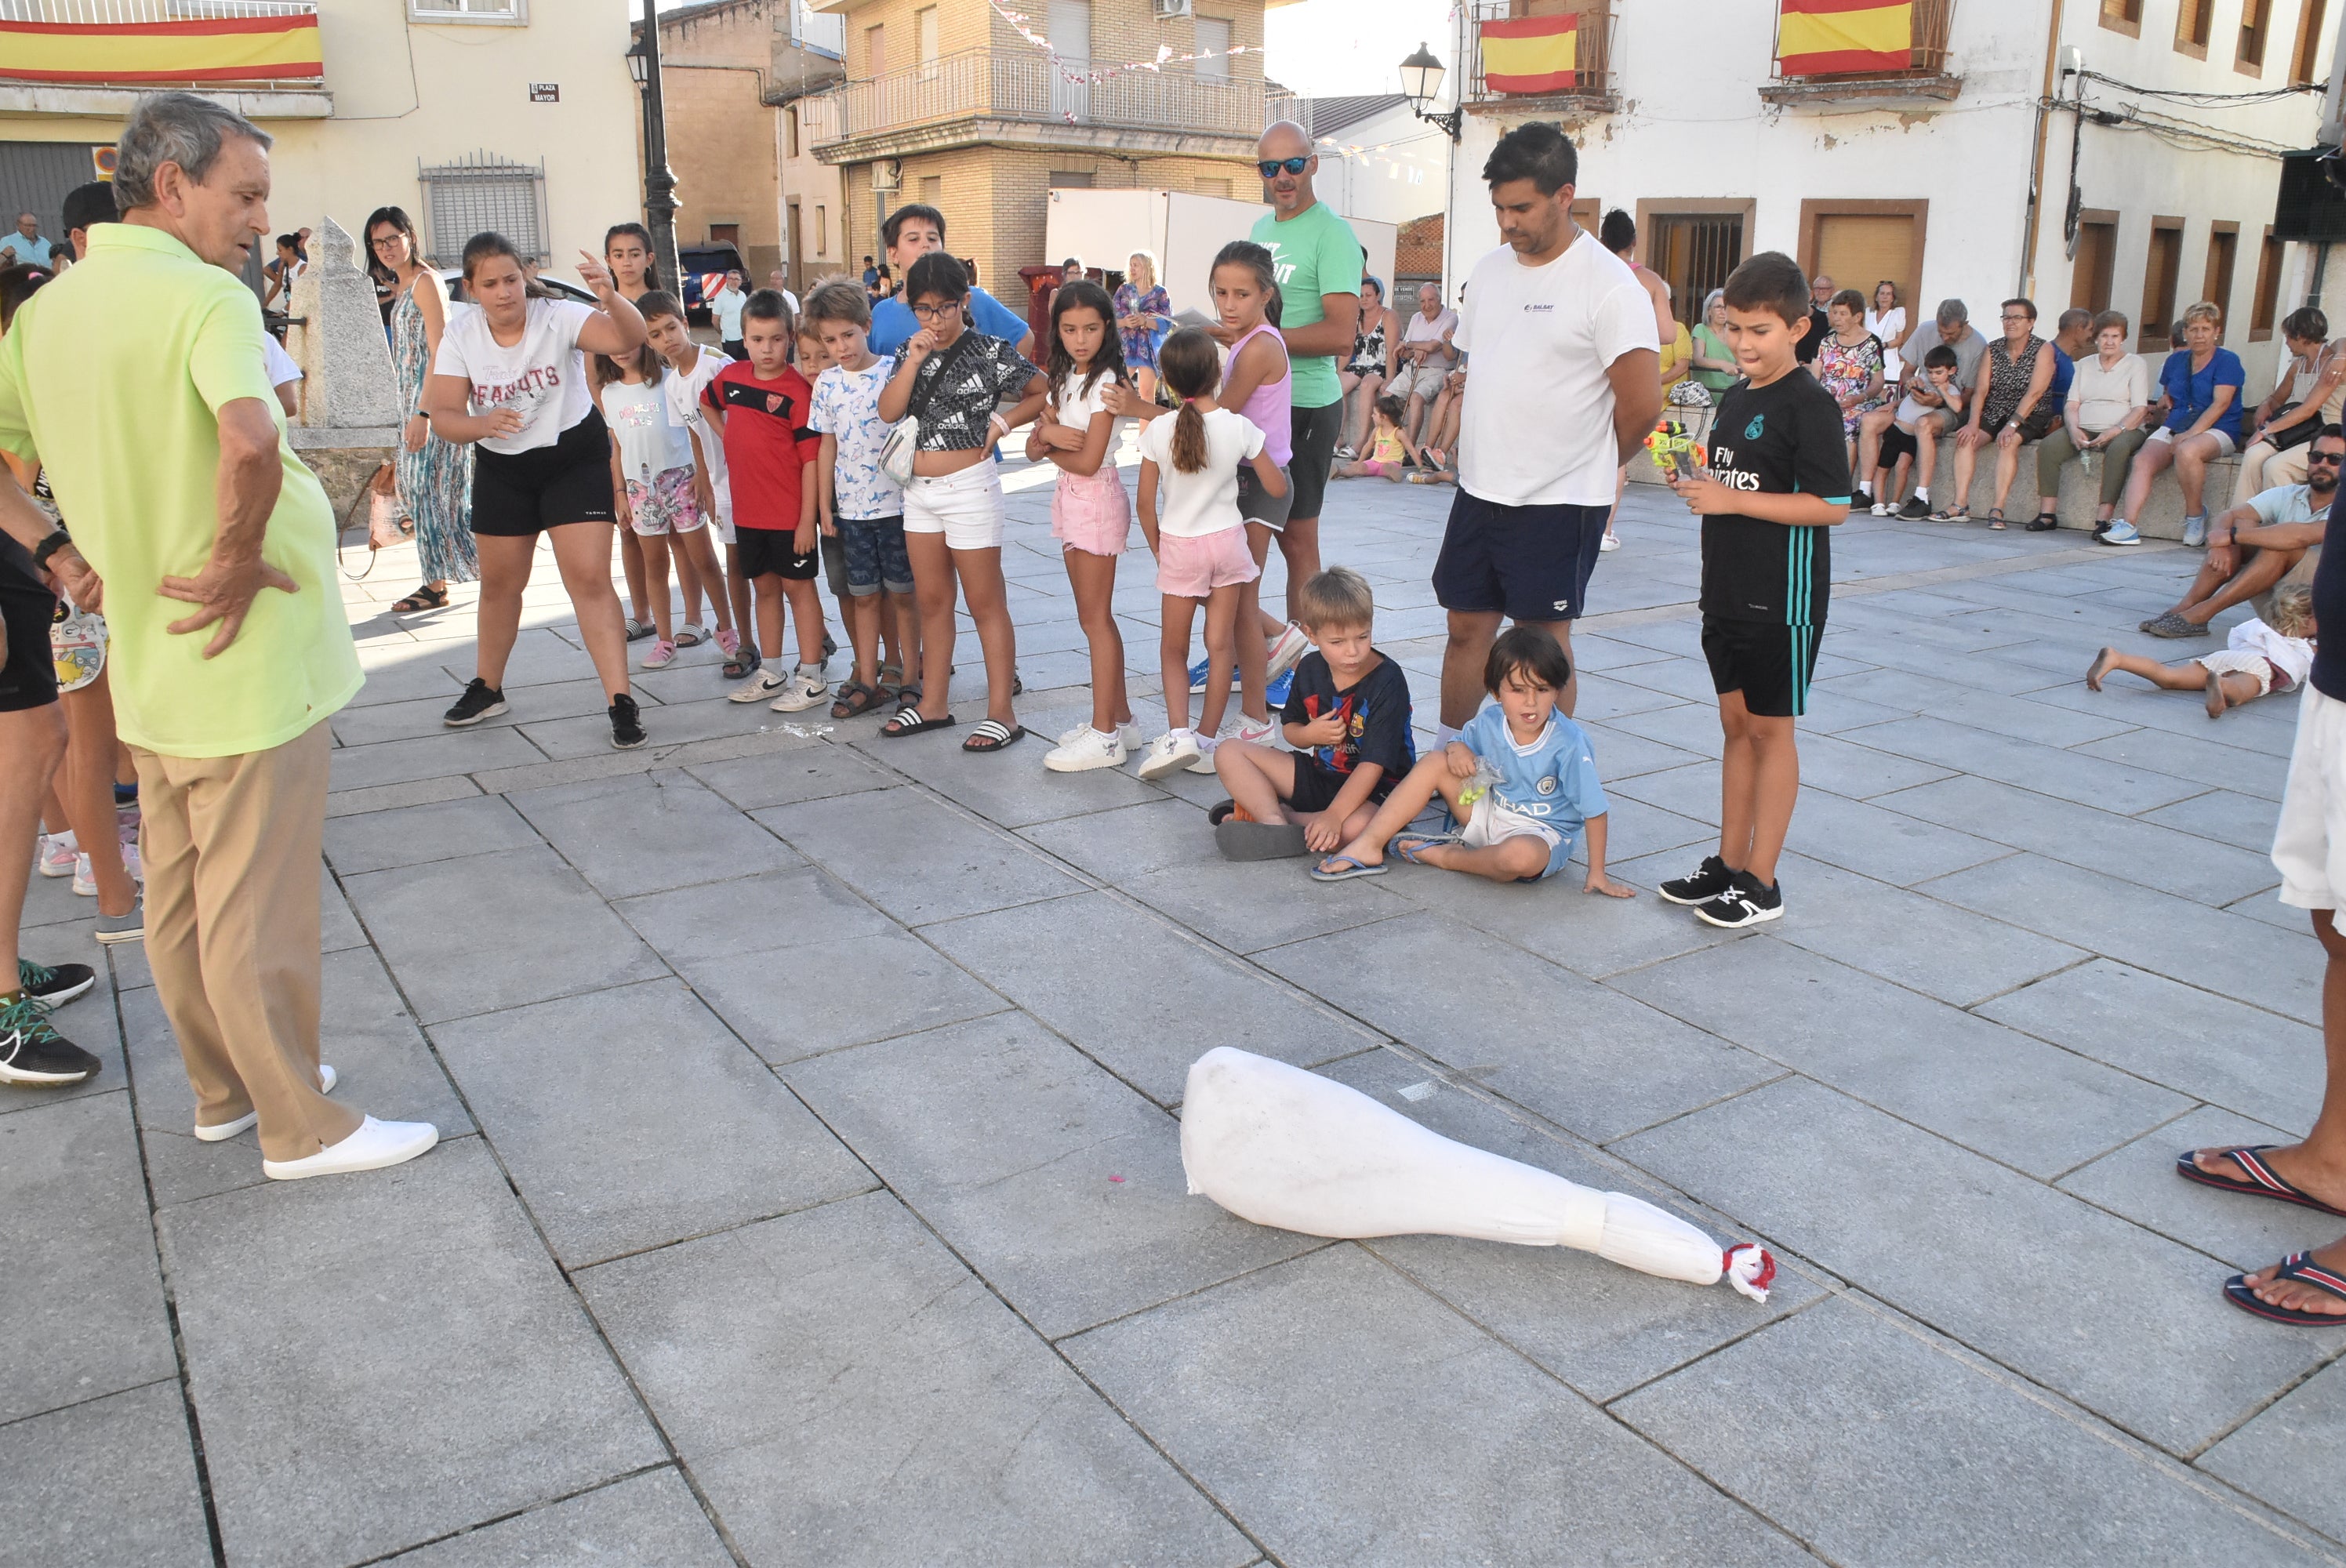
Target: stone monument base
x,y
343,457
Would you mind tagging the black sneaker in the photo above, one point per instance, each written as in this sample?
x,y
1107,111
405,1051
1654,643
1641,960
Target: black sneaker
x,y
1747,902
1915,509
627,728
53,987
480,701
1712,879
35,1057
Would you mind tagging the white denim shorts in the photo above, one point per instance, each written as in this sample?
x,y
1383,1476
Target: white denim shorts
x,y
965,507
2227,443
2309,842
1493,822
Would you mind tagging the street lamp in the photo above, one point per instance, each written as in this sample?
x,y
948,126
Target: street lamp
x,y
1421,82
659,182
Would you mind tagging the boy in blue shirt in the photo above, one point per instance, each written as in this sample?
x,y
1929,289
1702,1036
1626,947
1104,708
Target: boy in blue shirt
x,y
1777,481
911,233
1520,775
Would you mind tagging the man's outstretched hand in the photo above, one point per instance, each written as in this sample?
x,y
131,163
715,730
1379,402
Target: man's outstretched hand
x,y
222,594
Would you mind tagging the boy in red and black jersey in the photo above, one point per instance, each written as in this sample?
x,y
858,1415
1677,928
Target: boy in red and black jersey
x,y
770,458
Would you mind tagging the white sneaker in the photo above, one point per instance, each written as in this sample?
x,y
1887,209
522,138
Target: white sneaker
x,y
374,1145
1286,652
1084,749
1246,729
802,691
1128,734
1884,509
1205,762
327,1079
1169,753
57,854
757,687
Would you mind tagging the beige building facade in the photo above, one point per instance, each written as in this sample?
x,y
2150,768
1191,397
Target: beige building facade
x,y
517,114
947,102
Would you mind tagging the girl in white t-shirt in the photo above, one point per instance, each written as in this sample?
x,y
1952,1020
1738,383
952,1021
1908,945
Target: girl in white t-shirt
x,y
656,465
511,376
1199,539
691,369
1090,516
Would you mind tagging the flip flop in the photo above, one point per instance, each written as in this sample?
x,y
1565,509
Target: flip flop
x,y
1241,841
1412,846
993,734
2262,1182
1349,868
2300,1267
908,721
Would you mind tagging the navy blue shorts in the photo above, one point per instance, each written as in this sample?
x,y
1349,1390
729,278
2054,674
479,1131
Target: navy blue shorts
x,y
874,548
1770,663
1527,563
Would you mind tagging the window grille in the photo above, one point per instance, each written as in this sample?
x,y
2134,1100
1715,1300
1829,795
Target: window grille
x,y
484,191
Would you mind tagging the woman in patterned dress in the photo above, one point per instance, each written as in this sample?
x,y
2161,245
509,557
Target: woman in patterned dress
x,y
1849,363
1142,310
434,478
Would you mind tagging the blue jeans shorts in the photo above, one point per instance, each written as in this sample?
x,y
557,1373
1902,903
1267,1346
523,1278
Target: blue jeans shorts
x,y
874,547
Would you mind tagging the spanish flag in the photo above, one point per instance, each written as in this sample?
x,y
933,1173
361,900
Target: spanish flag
x,y
1827,38
1535,55
218,49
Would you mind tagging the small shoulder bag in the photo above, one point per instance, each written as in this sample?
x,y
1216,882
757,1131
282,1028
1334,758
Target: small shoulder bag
x,y
904,443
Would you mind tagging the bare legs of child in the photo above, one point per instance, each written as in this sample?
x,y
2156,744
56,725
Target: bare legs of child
x,y
1508,861
2222,688
631,564
1760,780
1223,607
1093,578
1261,778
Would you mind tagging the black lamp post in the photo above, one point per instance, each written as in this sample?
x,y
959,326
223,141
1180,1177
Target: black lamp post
x,y
659,183
1421,82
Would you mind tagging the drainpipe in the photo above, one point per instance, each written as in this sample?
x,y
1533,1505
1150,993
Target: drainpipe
x,y
2027,288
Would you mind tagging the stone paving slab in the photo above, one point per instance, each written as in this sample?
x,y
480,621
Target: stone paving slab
x,y
648,833
1297,1397
1057,1184
719,1143
917,859
102,1484
2283,1454
773,1001
377,1363
652,1518
2019,1271
1874,1441
89,1320
2138,1182
1920,1060
845,1390
413,835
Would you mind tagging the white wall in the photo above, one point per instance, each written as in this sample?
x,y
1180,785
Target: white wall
x,y
1693,126
1181,229
1400,172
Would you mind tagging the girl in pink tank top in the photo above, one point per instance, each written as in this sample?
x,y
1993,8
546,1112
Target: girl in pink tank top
x,y
1257,382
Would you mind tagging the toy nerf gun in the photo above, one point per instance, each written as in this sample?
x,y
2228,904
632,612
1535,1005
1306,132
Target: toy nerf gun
x,y
1674,452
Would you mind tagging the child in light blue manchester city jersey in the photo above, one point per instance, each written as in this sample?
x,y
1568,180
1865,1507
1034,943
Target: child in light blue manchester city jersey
x,y
1520,775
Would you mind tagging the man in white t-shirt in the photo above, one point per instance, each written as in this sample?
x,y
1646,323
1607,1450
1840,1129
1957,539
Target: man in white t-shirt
x,y
1567,382
778,280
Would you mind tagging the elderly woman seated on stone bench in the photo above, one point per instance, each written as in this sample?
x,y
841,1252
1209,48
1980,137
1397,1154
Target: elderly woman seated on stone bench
x,y
2252,549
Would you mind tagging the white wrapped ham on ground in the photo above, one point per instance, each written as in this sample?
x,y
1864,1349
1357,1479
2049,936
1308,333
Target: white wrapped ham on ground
x,y
1281,1147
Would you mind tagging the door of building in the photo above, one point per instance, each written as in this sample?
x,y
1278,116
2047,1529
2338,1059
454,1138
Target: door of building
x,y
1857,251
1694,252
1071,40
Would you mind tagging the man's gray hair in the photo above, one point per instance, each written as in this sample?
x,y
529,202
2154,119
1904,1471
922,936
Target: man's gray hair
x,y
1950,310
185,128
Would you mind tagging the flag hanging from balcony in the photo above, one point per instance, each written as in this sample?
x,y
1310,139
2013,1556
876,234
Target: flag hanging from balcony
x,y
1827,38
219,49
1534,54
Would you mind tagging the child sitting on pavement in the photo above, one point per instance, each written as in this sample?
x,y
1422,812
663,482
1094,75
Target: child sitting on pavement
x,y
1520,775
2257,659
1387,457
1348,718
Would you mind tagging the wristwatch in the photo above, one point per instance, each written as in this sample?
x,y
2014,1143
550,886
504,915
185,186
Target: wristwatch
x,y
57,540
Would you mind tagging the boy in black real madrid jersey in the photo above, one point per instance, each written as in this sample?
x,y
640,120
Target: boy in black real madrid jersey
x,y
1778,478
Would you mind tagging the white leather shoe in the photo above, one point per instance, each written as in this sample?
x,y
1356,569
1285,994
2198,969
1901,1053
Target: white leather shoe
x,y
374,1145
226,1130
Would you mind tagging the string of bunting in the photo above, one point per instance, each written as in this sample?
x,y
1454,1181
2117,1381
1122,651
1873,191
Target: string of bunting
x,y
1095,74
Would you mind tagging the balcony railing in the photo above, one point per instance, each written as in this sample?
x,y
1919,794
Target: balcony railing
x,y
1026,86
150,43
1592,76
1927,55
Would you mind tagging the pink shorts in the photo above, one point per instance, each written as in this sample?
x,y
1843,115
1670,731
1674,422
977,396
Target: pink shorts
x,y
1192,565
1091,514
1376,469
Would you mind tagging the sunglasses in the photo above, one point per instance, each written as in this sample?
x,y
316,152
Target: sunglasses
x,y
2332,458
1271,166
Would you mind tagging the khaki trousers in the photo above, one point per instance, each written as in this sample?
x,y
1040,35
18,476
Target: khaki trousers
x,y
231,850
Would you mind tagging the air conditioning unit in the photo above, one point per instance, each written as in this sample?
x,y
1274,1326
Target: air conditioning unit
x,y
1167,9
887,174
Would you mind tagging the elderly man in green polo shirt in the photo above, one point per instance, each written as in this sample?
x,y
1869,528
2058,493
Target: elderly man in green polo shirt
x,y
136,381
